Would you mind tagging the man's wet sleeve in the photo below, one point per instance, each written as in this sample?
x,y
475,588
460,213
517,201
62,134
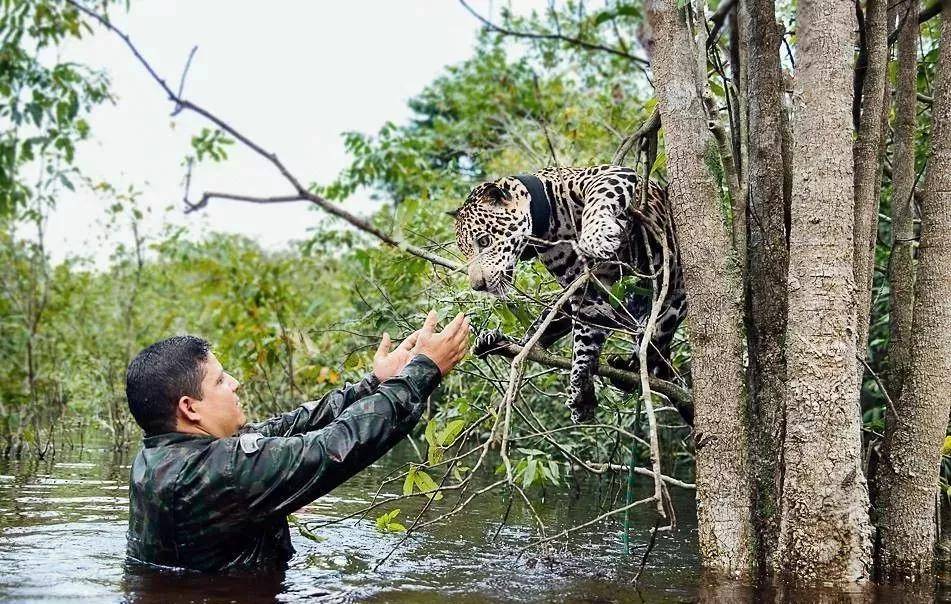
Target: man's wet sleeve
x,y
314,414
278,475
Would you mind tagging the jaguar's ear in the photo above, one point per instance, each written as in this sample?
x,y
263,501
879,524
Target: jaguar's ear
x,y
497,194
453,213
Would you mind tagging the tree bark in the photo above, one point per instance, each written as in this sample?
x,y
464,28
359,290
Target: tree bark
x,y
768,260
713,292
824,529
867,150
912,452
901,267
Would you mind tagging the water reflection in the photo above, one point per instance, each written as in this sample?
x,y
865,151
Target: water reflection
x,y
148,585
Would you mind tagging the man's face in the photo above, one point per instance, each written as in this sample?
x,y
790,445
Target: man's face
x,y
219,408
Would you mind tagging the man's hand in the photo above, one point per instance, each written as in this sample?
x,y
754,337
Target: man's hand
x,y
447,347
386,364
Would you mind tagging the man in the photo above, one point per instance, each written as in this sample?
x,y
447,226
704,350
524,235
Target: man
x,y
208,492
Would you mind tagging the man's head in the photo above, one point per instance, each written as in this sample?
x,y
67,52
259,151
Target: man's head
x,y
177,385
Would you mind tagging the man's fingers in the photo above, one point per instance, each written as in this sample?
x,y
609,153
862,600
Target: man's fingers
x,y
429,324
384,348
410,341
462,329
451,329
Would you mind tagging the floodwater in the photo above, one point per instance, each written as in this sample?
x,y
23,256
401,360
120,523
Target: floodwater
x,y
63,522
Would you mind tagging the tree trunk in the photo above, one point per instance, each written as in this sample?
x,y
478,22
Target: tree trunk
x,y
868,186
912,452
768,260
901,267
713,293
824,529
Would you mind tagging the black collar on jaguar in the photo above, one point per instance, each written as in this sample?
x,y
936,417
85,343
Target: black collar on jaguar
x,y
540,207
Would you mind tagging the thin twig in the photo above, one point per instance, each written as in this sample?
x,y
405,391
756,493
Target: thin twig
x,y
181,83
558,37
650,125
588,523
517,370
302,191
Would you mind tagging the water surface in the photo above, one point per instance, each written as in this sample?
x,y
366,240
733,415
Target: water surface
x,y
63,522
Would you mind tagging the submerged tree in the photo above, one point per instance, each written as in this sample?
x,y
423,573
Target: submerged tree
x,y
917,426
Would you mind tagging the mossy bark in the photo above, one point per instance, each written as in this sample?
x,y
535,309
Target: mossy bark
x,y
909,471
824,532
713,292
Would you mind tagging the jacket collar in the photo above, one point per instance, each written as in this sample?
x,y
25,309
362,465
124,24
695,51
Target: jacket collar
x,y
171,438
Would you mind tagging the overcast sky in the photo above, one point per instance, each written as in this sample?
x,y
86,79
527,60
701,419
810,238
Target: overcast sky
x,y
292,75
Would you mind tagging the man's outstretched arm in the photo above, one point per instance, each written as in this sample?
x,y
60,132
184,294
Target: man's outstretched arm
x,y
274,476
314,415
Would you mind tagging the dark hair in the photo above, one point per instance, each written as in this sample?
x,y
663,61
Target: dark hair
x,y
160,375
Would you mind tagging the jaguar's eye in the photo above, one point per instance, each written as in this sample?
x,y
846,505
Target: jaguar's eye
x,y
483,241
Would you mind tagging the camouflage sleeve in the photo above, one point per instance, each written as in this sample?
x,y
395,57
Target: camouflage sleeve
x,y
277,475
314,414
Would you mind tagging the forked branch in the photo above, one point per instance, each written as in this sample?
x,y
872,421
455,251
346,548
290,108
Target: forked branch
x,y
302,192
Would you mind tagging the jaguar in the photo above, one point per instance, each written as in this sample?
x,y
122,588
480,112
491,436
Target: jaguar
x,y
597,219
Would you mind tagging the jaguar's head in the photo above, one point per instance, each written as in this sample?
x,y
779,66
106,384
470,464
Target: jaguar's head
x,y
492,227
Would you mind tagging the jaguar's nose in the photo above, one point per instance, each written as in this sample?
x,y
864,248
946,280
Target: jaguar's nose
x,y
479,284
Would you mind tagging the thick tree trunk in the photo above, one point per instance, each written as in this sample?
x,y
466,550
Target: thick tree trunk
x,y
713,292
824,529
768,260
912,453
901,267
867,148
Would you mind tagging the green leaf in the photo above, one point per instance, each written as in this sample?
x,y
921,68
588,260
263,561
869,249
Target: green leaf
x,y
426,484
451,431
528,477
430,433
410,480
434,455
385,524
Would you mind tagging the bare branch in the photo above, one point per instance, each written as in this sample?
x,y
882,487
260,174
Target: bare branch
x,y
718,19
201,203
650,125
588,523
302,191
518,367
677,395
181,83
559,37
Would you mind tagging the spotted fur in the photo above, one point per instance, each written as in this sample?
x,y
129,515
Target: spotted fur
x,y
597,220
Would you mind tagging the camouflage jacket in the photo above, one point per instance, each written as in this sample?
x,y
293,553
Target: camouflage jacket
x,y
212,504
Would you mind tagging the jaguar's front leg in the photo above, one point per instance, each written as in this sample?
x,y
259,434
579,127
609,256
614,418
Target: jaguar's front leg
x,y
588,342
602,232
489,341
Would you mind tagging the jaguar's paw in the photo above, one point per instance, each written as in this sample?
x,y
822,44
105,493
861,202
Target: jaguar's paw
x,y
582,403
488,342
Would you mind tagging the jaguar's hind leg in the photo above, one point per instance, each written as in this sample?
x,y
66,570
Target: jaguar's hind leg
x,y
588,341
658,353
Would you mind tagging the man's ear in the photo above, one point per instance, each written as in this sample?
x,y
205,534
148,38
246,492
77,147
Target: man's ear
x,y
186,409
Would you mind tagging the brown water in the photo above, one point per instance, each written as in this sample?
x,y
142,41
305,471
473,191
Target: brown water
x,y
62,538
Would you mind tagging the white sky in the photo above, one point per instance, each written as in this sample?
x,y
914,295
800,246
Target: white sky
x,y
292,75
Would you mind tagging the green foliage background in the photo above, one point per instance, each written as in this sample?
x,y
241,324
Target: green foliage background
x,y
294,323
